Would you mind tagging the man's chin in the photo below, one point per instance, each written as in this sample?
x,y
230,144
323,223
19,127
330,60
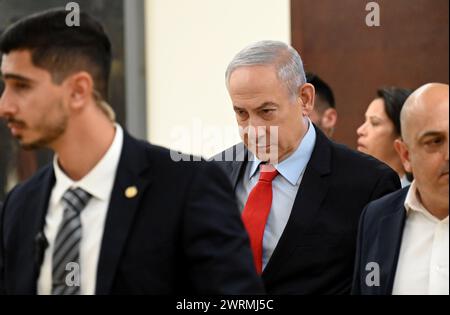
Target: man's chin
x,y
268,157
267,154
31,145
263,157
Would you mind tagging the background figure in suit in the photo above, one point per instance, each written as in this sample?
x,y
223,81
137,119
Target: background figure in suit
x,y
404,236
120,210
324,114
304,235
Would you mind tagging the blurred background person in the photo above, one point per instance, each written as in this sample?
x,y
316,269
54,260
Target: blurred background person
x,y
412,223
324,114
377,135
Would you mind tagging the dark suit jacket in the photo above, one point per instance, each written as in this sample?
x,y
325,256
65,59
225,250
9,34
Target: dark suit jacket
x,y
181,234
315,254
379,240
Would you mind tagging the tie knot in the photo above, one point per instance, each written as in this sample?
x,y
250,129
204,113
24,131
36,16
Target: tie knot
x,y
76,199
267,173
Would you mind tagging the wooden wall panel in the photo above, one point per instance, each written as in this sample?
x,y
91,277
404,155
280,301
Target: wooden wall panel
x,y
409,48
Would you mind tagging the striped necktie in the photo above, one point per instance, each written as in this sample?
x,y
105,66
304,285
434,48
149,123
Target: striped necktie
x,y
66,253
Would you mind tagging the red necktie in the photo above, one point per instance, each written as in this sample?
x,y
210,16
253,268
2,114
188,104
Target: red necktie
x,y
256,211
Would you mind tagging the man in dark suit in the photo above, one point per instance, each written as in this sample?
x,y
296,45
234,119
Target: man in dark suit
x,y
302,213
403,242
111,214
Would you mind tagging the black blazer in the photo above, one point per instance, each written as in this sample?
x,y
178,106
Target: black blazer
x,y
379,240
315,254
181,234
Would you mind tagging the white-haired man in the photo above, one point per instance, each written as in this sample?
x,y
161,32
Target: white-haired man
x,y
300,194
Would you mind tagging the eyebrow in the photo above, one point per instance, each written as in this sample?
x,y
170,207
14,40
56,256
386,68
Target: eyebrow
x,y
12,76
430,134
265,104
374,116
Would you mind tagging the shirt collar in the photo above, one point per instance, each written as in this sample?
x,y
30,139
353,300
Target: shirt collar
x,y
294,166
404,181
98,182
413,203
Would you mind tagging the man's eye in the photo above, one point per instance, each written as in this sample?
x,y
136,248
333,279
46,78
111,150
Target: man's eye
x,y
21,86
434,141
267,111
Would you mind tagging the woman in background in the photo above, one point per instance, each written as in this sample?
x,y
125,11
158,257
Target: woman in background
x,y
376,136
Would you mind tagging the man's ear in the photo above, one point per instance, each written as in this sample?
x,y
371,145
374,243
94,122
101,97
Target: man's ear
x,y
80,88
403,152
306,95
329,118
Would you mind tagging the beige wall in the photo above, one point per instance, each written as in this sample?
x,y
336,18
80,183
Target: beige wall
x,y
189,44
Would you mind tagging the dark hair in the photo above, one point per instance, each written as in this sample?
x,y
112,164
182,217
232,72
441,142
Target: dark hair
x,y
394,98
60,49
323,90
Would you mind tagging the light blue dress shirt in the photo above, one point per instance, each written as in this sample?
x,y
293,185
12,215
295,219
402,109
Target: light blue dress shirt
x,y
404,181
284,187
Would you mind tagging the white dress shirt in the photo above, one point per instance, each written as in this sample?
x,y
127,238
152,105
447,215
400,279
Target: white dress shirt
x,y
423,260
285,187
99,183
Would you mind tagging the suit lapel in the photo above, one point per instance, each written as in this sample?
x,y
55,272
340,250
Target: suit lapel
x,y
389,242
129,187
312,191
36,207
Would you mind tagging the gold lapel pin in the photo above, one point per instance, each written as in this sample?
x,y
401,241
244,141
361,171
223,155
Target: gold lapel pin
x,y
131,192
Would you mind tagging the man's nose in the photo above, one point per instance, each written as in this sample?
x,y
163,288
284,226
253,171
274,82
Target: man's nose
x,y
2,107
257,131
446,152
7,107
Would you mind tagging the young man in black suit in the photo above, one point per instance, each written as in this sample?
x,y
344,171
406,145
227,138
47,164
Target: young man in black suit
x,y
303,235
403,242
111,214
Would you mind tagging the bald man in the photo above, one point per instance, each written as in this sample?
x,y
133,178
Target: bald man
x,y
403,242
